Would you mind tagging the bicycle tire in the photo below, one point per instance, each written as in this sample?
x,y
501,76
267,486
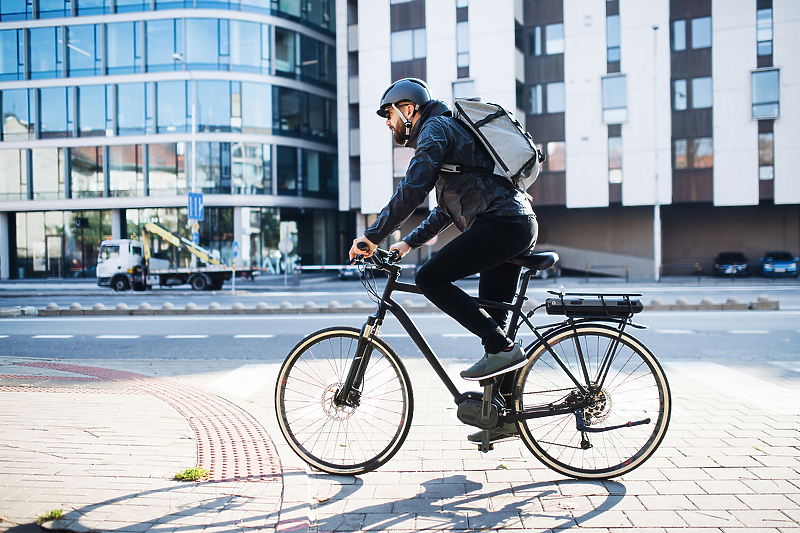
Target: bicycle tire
x,y
635,389
343,440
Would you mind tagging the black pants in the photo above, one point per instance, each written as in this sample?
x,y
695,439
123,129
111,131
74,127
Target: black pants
x,y
484,248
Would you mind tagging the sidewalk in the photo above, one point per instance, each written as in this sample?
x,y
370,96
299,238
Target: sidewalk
x,y
101,440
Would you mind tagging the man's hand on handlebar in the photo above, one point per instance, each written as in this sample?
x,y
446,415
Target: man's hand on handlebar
x,y
400,247
362,247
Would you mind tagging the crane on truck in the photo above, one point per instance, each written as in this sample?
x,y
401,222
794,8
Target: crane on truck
x,y
125,264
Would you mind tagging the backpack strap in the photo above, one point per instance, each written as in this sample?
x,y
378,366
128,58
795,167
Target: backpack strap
x,y
465,169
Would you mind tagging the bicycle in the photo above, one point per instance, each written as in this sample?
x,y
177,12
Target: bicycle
x,y
591,403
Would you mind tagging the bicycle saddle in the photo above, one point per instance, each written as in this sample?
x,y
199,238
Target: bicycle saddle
x,y
535,260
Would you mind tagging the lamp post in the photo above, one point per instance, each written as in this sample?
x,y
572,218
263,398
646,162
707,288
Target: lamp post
x,y
656,201
179,57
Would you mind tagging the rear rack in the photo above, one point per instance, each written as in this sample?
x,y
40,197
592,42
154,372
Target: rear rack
x,y
590,304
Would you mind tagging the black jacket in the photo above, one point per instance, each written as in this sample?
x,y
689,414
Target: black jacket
x,y
439,139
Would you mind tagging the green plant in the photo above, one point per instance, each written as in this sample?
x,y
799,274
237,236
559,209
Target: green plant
x,y
55,514
192,474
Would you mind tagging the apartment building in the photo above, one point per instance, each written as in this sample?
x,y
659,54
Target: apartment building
x,y
100,99
671,127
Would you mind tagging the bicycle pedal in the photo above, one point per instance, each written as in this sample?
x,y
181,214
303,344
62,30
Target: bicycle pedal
x,y
485,448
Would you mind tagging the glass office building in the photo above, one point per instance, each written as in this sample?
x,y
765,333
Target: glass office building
x,y
97,99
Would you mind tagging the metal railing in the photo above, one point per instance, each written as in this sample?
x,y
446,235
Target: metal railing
x,y
695,266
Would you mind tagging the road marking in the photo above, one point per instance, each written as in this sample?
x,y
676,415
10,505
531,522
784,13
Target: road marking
x,y
384,335
3,336
253,336
677,331
747,331
52,336
457,335
117,337
186,337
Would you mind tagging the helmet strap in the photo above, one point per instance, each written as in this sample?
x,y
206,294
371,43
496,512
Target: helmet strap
x,y
406,121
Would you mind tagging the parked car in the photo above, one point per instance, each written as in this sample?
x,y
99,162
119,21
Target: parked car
x,y
730,264
349,272
778,263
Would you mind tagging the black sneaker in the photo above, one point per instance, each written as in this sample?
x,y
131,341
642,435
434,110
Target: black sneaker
x,y
494,364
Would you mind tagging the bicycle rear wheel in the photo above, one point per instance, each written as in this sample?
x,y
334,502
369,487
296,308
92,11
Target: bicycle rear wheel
x,y
343,439
635,389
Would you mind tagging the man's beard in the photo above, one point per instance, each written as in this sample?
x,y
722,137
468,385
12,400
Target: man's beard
x,y
400,136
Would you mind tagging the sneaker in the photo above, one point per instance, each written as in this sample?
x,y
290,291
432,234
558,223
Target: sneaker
x,y
504,432
494,364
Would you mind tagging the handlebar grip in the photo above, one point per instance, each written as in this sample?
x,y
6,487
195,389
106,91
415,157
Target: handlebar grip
x,y
364,247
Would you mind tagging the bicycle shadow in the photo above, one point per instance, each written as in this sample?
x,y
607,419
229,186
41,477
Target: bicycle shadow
x,y
457,503
217,498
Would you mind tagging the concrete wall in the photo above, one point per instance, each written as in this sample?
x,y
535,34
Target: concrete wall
x,y
374,66
342,99
491,51
586,134
786,43
735,132
649,115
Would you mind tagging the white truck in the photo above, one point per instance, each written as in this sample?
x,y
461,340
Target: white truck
x,y
126,264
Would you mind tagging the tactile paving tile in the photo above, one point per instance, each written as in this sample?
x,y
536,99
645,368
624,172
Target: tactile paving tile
x,y
231,444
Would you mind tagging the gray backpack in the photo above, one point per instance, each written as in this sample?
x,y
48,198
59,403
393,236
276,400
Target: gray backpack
x,y
511,147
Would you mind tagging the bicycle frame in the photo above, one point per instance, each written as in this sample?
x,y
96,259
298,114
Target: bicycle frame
x,y
349,394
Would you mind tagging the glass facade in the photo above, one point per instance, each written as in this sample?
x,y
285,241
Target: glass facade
x,y
131,137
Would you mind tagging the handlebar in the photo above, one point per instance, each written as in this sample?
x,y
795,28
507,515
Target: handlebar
x,y
380,258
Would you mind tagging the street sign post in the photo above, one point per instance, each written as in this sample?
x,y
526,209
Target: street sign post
x,y
235,255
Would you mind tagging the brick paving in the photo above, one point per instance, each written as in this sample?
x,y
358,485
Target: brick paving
x,y
730,460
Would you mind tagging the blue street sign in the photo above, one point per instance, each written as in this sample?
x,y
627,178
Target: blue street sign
x,y
196,206
235,248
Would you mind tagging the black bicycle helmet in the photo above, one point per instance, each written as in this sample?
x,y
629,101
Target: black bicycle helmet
x,y
411,89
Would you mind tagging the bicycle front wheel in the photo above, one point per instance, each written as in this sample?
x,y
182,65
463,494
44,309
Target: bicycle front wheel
x,y
341,439
633,390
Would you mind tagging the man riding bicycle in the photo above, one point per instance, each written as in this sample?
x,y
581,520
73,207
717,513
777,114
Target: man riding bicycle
x,y
496,220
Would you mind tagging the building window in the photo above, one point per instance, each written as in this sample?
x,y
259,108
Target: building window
x,y
679,95
164,38
764,31
554,39
462,48
536,41
401,157
251,168
679,35
556,156
11,55
408,45
536,100
123,48
48,173
87,171
46,60
766,93
171,105
615,100
463,89
615,159
703,153
125,170
766,156
213,105
287,170
134,109
681,160
92,110
555,97
84,44
285,51
701,93
166,169
16,112
54,112
13,175
256,108
612,38
701,32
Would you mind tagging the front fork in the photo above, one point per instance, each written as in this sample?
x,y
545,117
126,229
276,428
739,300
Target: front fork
x,y
350,393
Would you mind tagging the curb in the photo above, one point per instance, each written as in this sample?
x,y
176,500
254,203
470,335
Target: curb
x,y
763,303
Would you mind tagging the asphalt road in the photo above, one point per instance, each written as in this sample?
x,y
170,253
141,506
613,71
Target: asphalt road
x,y
747,337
